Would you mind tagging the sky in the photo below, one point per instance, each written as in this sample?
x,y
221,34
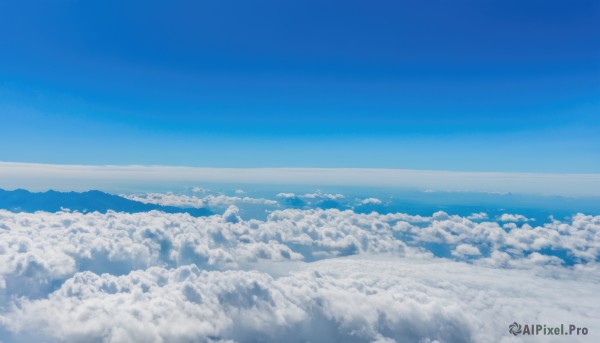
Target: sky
x,y
504,86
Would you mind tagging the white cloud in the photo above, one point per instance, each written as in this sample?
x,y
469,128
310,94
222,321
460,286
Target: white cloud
x,y
478,216
465,250
315,195
374,201
350,300
319,195
190,201
155,277
71,177
56,243
231,215
507,217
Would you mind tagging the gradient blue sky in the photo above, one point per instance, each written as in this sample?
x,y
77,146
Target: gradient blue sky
x,y
477,85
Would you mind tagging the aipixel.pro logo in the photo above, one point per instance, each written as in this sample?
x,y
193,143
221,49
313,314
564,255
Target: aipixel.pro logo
x,y
543,329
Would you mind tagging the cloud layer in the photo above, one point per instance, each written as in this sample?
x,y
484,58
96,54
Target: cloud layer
x,y
300,275
70,177
191,201
350,300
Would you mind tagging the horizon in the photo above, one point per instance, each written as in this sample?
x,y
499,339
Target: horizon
x,y
83,177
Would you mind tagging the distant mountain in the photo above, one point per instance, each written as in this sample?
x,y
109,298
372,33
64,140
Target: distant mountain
x,y
21,200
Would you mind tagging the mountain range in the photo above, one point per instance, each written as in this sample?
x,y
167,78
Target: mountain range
x,y
21,200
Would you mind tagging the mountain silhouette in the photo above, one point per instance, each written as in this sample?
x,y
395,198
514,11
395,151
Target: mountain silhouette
x,y
21,200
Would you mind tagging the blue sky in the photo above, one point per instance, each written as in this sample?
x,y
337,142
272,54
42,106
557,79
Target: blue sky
x,y
462,85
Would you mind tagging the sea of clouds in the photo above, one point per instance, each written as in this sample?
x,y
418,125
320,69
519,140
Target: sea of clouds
x,y
300,275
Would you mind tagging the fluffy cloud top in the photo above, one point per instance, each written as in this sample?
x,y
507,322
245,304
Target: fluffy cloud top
x,y
349,300
190,201
507,217
315,195
300,275
466,249
374,201
319,195
478,216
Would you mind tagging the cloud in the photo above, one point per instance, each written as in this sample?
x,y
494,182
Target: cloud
x,y
316,199
299,275
478,216
78,177
315,195
42,249
350,300
466,249
319,195
507,217
190,201
373,201
231,215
